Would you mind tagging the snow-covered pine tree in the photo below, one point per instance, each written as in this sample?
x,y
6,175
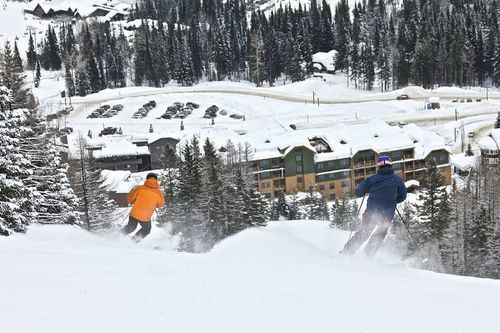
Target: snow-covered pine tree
x,y
54,199
97,209
18,63
12,77
31,54
38,75
213,189
16,199
344,213
69,80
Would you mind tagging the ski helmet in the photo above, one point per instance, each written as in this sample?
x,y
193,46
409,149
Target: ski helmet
x,y
384,160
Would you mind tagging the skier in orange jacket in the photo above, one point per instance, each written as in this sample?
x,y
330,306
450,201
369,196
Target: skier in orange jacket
x,y
145,198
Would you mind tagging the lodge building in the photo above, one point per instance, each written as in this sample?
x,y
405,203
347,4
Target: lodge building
x,y
338,161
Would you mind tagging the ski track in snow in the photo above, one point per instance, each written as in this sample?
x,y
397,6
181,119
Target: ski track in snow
x,y
287,277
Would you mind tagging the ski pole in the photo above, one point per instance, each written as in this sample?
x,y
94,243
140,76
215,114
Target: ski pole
x,y
407,229
125,218
357,214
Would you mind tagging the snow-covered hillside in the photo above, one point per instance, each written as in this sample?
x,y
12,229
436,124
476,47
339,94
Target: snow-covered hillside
x,y
287,277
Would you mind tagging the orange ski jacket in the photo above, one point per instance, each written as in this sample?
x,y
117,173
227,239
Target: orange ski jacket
x,y
145,198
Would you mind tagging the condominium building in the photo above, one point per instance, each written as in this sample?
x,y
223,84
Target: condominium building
x,y
337,159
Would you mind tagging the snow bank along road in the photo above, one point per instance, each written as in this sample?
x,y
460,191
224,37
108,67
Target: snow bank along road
x,y
287,277
289,97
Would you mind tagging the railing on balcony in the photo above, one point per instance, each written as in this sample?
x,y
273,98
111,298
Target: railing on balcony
x,y
364,163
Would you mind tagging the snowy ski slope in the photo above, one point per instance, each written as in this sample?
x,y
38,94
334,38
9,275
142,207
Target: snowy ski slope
x,y
287,277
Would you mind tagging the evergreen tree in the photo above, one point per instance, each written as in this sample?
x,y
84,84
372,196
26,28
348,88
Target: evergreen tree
x,y
70,82
12,77
31,54
38,75
96,208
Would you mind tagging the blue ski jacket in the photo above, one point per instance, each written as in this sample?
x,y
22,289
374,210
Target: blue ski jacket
x,y
386,190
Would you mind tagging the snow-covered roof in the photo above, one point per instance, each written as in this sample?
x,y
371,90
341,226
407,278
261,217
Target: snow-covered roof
x,y
84,8
116,145
424,141
495,134
490,142
154,138
462,162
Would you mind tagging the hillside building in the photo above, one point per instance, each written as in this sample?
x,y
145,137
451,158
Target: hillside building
x,y
490,147
337,160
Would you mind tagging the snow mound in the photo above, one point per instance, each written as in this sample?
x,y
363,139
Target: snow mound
x,y
286,277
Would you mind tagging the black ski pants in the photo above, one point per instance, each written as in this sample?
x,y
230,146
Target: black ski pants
x,y
370,222
132,225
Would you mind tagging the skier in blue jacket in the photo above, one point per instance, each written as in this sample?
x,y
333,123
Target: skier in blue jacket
x,y
386,190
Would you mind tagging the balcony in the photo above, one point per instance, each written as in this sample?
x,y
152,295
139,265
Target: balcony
x,y
364,163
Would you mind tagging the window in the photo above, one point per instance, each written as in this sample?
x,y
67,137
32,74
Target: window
x,y
264,164
322,188
299,168
345,183
298,157
332,196
265,175
320,166
300,180
344,162
266,185
332,186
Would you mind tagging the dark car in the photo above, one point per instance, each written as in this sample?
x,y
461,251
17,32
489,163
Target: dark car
x,y
108,131
106,107
192,105
402,97
152,103
94,114
117,107
236,116
166,115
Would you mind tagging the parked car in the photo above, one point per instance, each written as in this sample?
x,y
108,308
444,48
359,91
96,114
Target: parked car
x,y
179,104
469,100
172,109
402,97
478,99
137,115
180,115
117,107
402,123
454,100
143,111
152,103
113,112
462,101
187,110
106,114
236,116
471,134
106,107
94,114
192,105
392,123
166,115
223,112
213,107
108,131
